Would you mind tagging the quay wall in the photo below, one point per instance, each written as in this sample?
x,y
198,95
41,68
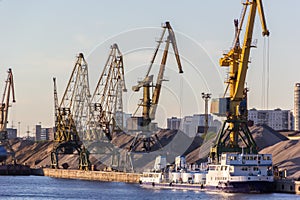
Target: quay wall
x,y
90,175
287,186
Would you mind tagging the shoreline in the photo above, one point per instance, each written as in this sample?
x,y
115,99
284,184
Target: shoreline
x,y
280,185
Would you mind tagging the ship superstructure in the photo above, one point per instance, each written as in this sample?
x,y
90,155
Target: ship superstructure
x,y
238,172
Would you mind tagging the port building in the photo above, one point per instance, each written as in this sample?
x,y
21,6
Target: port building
x,y
297,106
42,134
192,125
276,119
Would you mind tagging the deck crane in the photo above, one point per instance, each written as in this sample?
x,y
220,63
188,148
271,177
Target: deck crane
x,y
5,104
235,129
67,115
149,104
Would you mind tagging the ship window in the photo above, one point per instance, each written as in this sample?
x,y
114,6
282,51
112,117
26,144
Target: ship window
x,y
265,158
268,158
251,158
259,158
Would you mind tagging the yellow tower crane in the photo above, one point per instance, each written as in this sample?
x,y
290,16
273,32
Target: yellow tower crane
x,y
235,129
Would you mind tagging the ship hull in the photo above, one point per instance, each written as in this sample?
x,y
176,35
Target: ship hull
x,y
179,186
244,187
234,187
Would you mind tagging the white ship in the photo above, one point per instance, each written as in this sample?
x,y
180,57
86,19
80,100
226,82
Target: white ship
x,y
245,173
241,173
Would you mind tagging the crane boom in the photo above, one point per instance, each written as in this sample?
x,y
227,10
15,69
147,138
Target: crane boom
x,y
106,114
55,99
245,53
68,97
261,13
156,93
238,57
174,45
172,39
9,88
155,97
150,104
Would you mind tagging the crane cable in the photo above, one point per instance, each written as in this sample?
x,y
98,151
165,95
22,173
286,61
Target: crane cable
x,y
266,74
180,97
263,77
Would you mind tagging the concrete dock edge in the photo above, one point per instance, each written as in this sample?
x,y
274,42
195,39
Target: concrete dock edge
x,y
90,175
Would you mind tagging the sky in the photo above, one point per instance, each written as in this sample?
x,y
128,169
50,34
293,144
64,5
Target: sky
x,y
39,40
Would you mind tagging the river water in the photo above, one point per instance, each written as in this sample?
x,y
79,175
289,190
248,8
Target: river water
x,y
42,187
